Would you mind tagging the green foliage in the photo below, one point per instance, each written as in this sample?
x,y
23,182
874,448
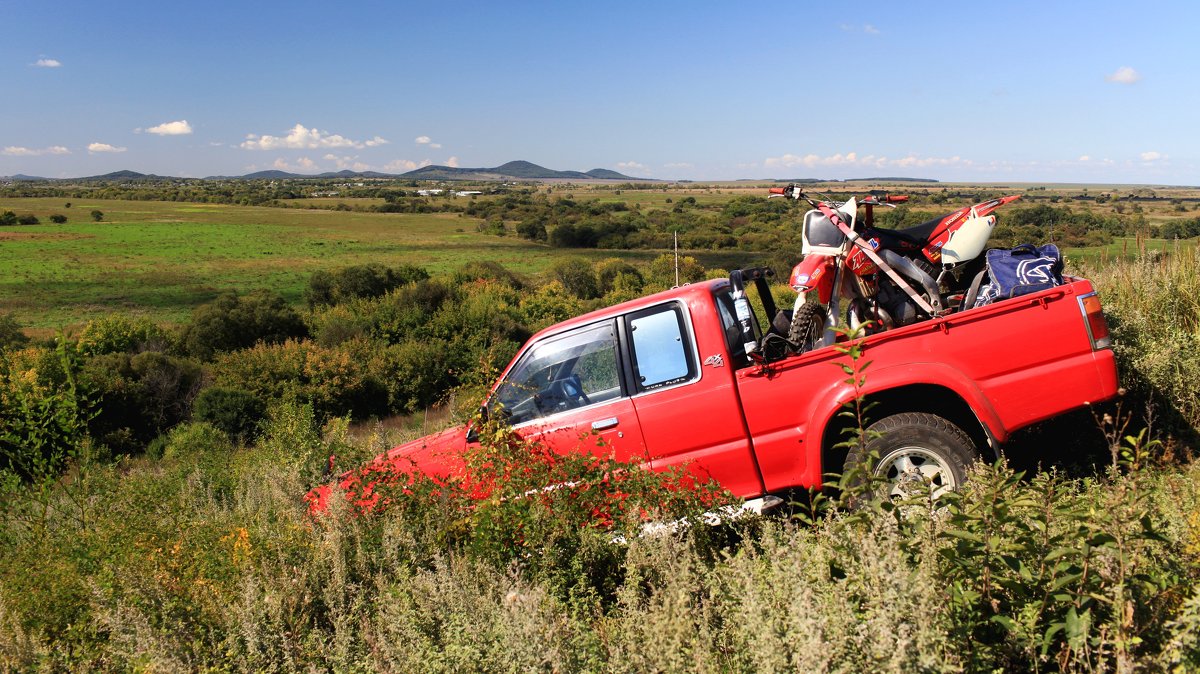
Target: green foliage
x,y
661,274
615,274
44,413
236,412
576,275
195,439
28,219
369,280
97,215
235,322
8,218
11,335
1150,303
138,396
118,333
58,219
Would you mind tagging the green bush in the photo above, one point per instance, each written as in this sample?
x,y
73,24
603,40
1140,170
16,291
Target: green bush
x,y
576,275
11,335
232,322
359,281
117,333
236,412
138,396
335,381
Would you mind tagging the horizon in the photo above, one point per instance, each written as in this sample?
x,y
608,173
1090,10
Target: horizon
x,y
669,91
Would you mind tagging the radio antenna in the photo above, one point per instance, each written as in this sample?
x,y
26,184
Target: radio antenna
x,y
676,233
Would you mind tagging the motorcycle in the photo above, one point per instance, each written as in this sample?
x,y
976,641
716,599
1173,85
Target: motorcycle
x,y
890,277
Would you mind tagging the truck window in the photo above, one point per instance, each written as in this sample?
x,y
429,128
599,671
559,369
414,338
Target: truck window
x,y
563,372
661,348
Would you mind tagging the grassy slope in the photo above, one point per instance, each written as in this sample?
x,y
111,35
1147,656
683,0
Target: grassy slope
x,y
163,258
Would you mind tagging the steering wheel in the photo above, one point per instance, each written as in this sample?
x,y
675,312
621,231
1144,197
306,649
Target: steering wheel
x,y
573,389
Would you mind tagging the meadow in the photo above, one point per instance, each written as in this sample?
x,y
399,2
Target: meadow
x,y
163,259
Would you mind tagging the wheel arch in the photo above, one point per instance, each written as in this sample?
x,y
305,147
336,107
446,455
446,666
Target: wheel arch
x,y
975,418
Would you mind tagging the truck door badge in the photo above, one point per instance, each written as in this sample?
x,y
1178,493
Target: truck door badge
x,y
715,361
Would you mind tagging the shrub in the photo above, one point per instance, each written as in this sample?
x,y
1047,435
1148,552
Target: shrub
x,y
617,274
193,439
485,270
236,412
117,333
369,280
662,271
8,218
28,219
576,275
137,396
43,411
58,219
97,215
232,322
335,381
11,335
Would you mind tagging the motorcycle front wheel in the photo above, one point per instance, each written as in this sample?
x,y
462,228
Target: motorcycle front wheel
x,y
808,328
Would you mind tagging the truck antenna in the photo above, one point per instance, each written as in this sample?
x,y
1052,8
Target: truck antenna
x,y
676,233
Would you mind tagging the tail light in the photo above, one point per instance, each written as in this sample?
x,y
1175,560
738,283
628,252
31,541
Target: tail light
x,y
1093,318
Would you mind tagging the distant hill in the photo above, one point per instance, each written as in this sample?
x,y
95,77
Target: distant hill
x,y
125,176
22,177
513,170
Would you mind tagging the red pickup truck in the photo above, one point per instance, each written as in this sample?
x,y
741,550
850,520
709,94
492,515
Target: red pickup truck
x,y
665,380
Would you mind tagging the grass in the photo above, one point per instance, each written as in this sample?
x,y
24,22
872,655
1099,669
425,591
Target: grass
x,y
162,259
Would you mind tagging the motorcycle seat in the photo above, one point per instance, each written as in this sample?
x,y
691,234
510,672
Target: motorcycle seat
x,y
907,239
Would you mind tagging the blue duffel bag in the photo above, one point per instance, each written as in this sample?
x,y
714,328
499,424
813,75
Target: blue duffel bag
x,y
1019,271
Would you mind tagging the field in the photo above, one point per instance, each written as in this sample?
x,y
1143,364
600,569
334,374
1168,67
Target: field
x,y
162,259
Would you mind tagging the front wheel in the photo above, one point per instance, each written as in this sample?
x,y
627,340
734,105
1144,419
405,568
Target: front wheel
x,y
915,448
808,327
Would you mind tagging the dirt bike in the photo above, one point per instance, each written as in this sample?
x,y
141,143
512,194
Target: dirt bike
x,y
890,277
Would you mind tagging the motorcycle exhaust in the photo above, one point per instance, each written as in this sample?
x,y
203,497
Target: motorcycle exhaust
x,y
912,272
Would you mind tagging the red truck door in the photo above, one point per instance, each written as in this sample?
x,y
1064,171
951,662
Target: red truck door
x,y
567,391
689,415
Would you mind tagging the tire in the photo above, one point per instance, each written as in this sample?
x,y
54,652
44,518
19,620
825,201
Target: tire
x,y
808,328
912,448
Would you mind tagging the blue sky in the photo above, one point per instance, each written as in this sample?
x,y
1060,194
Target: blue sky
x,y
1026,91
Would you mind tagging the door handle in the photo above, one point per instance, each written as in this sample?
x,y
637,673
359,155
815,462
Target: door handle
x,y
604,424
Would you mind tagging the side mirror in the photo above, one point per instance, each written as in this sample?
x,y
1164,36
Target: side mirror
x,y
472,431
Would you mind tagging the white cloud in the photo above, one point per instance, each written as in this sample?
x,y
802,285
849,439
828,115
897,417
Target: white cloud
x,y
301,138
426,140
15,151
1124,75
47,63
302,164
870,30
1152,156
678,165
402,165
180,128
853,28
866,161
633,166
452,162
1085,158
351,163
95,148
